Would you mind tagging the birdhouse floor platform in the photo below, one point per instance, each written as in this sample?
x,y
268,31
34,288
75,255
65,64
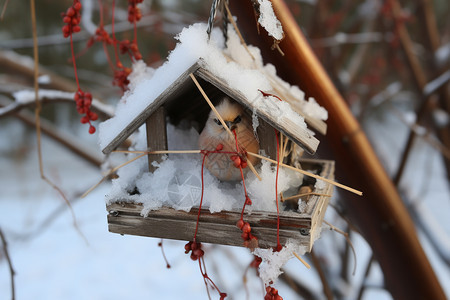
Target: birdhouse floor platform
x,y
220,228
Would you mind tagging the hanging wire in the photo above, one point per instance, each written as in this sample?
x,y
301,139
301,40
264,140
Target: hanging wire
x,y
225,20
212,15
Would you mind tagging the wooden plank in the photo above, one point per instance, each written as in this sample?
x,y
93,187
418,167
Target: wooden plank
x,y
156,135
267,139
298,135
286,95
220,228
171,92
217,228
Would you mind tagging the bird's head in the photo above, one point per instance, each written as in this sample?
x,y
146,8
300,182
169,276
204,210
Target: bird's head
x,y
231,112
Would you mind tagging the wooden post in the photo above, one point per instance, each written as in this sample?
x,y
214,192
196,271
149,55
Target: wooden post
x,y
156,135
267,140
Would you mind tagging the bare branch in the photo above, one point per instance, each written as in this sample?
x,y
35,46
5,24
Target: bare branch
x,y
26,98
8,259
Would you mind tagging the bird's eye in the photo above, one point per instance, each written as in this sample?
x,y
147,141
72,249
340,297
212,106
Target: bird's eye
x,y
237,119
217,122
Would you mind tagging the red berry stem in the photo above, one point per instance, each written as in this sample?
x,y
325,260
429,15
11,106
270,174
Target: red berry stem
x,y
160,244
72,18
276,193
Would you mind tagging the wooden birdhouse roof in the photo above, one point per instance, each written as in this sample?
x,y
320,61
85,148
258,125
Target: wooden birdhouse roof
x,y
182,99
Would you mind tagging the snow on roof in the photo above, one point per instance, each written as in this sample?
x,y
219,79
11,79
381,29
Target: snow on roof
x,y
241,70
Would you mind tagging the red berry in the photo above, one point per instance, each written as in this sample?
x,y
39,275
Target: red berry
x,y
70,12
67,19
76,28
84,119
77,6
244,236
193,256
246,228
237,162
93,116
198,252
91,129
243,164
137,56
240,224
219,147
66,29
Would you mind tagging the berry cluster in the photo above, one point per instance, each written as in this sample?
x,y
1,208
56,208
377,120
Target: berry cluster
x,y
238,161
272,294
101,35
121,77
72,18
196,249
134,13
131,48
250,241
84,101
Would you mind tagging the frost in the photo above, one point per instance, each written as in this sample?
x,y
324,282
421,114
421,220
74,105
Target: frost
x,y
272,262
268,20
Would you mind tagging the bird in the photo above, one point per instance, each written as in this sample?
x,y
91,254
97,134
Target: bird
x,y
214,137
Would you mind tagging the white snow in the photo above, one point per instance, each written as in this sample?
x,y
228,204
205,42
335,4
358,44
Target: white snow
x,y
44,79
28,96
242,73
272,261
176,182
269,21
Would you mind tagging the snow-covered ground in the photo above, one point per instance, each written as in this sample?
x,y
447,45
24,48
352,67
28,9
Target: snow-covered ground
x,y
55,262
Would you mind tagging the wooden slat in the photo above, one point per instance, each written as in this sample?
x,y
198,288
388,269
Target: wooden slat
x,y
156,135
172,91
267,139
220,228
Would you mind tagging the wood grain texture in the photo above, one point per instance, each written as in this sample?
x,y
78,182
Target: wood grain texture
x,y
182,91
297,134
177,87
220,228
156,136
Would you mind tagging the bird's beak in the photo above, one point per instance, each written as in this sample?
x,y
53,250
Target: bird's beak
x,y
230,125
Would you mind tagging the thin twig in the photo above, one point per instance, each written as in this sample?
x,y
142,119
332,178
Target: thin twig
x,y
366,274
250,165
159,151
5,5
325,285
305,194
210,104
347,238
309,174
110,173
38,124
302,260
252,168
8,259
425,135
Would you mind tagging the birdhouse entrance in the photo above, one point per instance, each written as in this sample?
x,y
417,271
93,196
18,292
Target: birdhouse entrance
x,y
299,223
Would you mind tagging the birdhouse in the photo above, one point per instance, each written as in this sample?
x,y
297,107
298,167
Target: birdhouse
x,y
282,127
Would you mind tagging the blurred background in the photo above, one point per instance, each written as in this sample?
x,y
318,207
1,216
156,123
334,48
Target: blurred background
x,y
390,61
